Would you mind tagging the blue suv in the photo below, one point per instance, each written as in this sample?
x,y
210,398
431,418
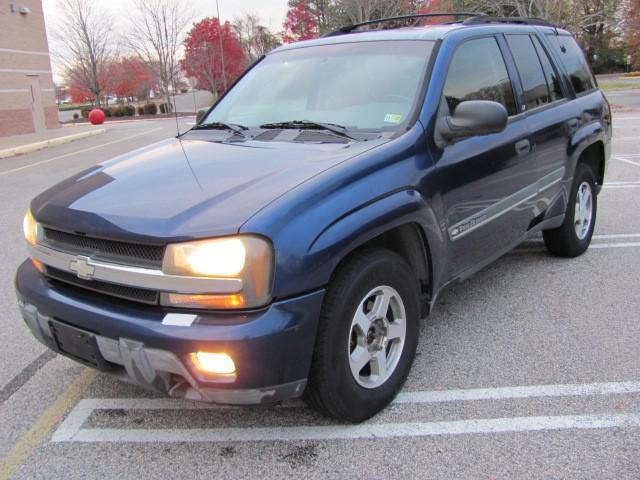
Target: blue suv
x,y
291,242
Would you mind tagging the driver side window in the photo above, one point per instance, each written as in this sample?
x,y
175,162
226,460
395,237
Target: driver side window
x,y
478,72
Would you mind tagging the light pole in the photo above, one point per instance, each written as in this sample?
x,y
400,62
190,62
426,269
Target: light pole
x,y
224,70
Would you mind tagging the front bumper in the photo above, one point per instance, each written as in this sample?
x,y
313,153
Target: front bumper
x,y
272,348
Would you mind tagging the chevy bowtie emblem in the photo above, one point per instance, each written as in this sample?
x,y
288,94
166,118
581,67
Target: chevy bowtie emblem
x,y
82,267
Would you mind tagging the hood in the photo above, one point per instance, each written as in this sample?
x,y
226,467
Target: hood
x,y
184,188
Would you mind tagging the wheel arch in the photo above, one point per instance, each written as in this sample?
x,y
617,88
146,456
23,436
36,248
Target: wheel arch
x,y
594,156
402,223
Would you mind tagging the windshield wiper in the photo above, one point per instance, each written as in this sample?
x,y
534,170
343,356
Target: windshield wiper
x,y
234,127
339,130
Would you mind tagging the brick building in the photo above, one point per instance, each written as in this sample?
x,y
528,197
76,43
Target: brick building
x,y
27,97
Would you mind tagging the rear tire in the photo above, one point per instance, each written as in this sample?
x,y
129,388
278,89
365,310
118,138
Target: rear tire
x,y
574,236
367,336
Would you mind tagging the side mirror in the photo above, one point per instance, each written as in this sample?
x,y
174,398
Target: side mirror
x,y
472,118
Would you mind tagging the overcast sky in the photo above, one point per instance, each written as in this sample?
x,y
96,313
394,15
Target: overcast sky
x,y
271,13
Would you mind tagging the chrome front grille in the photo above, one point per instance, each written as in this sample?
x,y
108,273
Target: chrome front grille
x,y
124,292
145,256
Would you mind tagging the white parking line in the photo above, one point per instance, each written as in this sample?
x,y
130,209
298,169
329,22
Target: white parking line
x,y
615,236
532,391
364,431
615,245
71,430
626,160
593,246
620,184
60,157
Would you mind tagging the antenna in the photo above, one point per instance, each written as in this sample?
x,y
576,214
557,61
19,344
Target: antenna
x,y
224,70
175,105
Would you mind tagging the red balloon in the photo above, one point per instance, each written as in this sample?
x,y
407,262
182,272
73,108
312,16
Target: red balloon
x,y
96,116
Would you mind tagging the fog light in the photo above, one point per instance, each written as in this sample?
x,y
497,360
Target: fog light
x,y
217,363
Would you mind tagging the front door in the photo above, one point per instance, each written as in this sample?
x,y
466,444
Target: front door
x,y
37,109
484,181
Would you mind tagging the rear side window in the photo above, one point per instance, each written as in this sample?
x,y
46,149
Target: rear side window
x,y
532,76
574,62
553,80
478,72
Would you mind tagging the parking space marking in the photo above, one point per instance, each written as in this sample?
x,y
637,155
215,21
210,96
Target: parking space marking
x,y
508,393
616,236
71,430
621,158
363,431
593,246
620,185
615,245
85,150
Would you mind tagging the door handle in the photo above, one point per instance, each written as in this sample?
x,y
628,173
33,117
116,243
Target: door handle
x,y
523,147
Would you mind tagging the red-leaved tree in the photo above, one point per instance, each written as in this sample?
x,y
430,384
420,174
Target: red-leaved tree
x,y
301,22
79,93
129,77
203,60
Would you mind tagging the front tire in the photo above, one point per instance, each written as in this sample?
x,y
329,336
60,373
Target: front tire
x,y
367,336
574,236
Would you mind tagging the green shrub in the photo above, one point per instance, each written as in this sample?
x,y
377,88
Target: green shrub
x,y
164,108
140,110
85,112
118,112
150,109
129,110
76,116
108,112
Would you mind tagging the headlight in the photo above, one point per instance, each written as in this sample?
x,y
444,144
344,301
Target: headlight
x,y
246,258
31,228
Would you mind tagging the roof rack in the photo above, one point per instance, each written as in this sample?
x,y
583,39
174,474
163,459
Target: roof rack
x,y
482,20
351,28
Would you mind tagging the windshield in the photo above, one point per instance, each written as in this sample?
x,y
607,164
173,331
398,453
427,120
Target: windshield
x,y
364,85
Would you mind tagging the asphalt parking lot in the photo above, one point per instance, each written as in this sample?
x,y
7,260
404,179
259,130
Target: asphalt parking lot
x,y
530,369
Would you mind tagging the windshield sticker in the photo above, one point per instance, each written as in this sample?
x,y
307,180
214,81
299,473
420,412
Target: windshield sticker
x,y
392,118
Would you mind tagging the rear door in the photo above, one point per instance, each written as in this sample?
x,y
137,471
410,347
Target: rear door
x,y
483,181
549,117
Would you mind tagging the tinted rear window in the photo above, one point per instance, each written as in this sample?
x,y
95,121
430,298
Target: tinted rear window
x,y
532,77
574,62
553,81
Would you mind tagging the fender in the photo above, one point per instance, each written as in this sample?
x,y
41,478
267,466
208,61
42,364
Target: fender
x,y
383,214
585,136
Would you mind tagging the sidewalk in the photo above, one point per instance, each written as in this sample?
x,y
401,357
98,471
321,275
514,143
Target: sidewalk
x,y
30,142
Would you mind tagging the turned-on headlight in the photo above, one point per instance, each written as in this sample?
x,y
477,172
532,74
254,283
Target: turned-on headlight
x,y
244,257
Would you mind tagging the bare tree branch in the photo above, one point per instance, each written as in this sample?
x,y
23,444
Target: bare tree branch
x,y
255,39
156,36
86,44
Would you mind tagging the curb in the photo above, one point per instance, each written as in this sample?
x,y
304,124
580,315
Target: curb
x,y
32,147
